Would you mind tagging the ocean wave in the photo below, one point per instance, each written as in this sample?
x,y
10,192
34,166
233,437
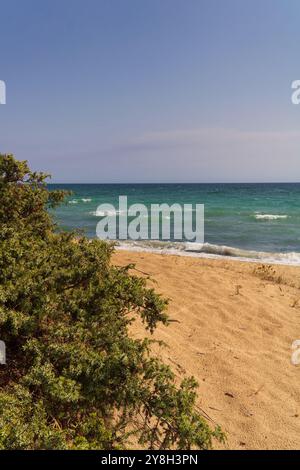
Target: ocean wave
x,y
208,250
270,216
101,213
76,201
110,213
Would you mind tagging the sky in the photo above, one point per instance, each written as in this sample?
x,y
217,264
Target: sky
x,y
105,91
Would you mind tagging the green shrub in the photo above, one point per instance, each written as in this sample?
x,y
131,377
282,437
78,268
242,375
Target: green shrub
x,y
75,378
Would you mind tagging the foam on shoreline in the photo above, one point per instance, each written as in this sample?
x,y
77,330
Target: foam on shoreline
x,y
208,250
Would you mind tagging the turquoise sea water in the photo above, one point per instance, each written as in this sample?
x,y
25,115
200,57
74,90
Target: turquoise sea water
x,y
255,221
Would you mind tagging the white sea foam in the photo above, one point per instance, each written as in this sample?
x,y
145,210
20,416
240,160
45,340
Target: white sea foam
x,y
101,213
270,216
76,201
207,250
98,213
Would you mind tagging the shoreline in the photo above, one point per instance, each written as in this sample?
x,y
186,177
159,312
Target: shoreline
x,y
214,252
233,329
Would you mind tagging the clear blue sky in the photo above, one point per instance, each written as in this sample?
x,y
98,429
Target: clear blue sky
x,y
152,90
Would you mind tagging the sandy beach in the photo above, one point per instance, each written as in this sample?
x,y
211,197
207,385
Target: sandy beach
x,y
233,329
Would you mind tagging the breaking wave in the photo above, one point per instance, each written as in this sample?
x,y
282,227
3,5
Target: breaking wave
x,y
270,216
76,201
208,250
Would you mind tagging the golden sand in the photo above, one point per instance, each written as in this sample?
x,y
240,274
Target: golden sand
x,y
235,323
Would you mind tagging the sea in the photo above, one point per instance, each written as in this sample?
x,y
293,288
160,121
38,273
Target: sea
x,y
253,222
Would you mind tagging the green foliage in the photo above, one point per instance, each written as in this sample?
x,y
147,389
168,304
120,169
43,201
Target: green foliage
x,y
24,197
75,378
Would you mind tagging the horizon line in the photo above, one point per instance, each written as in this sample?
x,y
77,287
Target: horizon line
x,y
186,182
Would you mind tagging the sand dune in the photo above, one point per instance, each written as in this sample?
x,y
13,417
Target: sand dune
x,y
234,330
